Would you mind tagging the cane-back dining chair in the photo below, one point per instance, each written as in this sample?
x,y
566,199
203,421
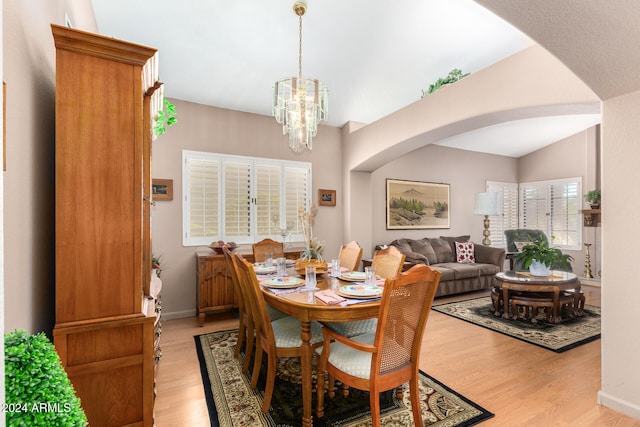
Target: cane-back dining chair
x,y
350,256
388,262
267,246
389,357
277,338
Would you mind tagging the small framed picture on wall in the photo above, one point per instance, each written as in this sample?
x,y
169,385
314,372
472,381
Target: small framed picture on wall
x,y
162,189
327,197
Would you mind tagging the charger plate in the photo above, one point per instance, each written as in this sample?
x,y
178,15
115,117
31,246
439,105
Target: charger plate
x,y
283,282
352,276
360,291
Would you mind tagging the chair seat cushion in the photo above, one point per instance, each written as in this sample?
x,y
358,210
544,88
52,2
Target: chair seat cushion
x,y
349,360
287,332
353,328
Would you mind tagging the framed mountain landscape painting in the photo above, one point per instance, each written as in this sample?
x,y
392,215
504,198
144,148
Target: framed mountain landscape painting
x,y
417,205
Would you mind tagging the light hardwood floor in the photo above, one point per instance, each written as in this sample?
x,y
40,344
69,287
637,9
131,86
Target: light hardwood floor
x,y
522,384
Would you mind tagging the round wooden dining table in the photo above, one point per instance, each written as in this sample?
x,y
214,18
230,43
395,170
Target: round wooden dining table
x,y
307,309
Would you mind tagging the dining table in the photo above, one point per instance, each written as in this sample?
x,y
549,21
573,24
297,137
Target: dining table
x,y
303,304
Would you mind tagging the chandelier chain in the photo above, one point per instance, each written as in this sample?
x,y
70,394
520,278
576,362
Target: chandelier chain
x,y
300,47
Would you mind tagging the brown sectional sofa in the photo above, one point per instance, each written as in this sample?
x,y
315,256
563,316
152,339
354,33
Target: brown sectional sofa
x,y
440,253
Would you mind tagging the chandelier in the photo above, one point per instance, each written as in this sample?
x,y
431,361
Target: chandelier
x,y
300,103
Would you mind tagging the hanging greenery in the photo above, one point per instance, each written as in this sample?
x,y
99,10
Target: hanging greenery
x,y
166,118
453,76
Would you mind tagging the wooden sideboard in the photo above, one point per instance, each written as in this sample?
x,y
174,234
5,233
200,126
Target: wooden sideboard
x,y
107,327
214,285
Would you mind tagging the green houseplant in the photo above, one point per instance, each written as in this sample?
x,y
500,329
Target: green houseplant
x,y
538,252
453,76
166,117
38,391
593,198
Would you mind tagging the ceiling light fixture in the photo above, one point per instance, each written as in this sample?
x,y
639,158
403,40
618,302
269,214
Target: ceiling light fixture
x,y
300,103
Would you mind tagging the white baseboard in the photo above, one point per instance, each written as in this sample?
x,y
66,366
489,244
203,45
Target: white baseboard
x,y
619,405
178,314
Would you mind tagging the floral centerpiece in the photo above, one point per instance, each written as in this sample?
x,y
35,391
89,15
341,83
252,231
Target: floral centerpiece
x,y
312,254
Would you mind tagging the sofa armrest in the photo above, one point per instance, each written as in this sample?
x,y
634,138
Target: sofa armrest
x,y
415,258
490,255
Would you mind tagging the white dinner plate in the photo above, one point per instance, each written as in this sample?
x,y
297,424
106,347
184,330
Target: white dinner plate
x,y
282,282
263,269
352,276
360,291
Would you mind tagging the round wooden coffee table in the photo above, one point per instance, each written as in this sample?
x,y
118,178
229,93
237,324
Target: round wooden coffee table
x,y
524,283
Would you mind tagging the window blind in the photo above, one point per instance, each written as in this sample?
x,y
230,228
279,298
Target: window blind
x,y
508,202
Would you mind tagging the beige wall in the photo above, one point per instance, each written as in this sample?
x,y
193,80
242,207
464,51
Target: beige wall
x,y
29,71
620,289
216,130
466,172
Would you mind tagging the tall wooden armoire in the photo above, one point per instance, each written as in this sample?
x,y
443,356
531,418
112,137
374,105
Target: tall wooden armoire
x,y
106,99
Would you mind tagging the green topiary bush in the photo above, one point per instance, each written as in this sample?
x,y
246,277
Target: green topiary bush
x,y
37,389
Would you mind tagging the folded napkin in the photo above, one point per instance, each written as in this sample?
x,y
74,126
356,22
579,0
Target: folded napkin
x,y
329,297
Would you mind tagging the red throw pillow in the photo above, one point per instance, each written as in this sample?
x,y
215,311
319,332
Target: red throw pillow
x,y
465,252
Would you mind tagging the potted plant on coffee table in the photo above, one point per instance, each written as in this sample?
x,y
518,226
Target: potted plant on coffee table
x,y
540,258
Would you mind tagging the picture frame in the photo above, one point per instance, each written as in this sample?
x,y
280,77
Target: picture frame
x,y
327,197
417,205
162,189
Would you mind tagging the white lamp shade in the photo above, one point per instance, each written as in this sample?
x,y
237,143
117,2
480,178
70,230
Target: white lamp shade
x,y
487,204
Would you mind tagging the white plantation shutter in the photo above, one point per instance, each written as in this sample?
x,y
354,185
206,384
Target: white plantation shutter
x,y
297,184
508,220
565,213
534,207
202,187
237,201
553,207
268,184
241,199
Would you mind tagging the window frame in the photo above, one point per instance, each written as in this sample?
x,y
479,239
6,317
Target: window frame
x,y
509,216
254,164
546,202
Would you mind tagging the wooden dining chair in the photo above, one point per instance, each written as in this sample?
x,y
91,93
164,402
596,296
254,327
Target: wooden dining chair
x,y
389,357
246,326
388,262
277,338
267,246
350,256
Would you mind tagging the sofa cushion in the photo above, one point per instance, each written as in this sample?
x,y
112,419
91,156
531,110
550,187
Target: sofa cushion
x,y
423,246
443,250
447,273
487,269
452,241
461,271
465,253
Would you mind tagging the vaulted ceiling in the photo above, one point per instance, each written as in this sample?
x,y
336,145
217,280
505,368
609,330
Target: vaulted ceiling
x,y
375,56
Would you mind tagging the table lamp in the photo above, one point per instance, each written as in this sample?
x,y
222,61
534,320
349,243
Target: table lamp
x,y
486,204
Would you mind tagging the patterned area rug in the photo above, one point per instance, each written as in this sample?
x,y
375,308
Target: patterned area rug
x,y
556,337
232,403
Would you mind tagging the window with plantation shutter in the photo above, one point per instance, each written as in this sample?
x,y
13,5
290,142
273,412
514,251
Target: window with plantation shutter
x,y
554,207
236,200
508,220
241,199
202,187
